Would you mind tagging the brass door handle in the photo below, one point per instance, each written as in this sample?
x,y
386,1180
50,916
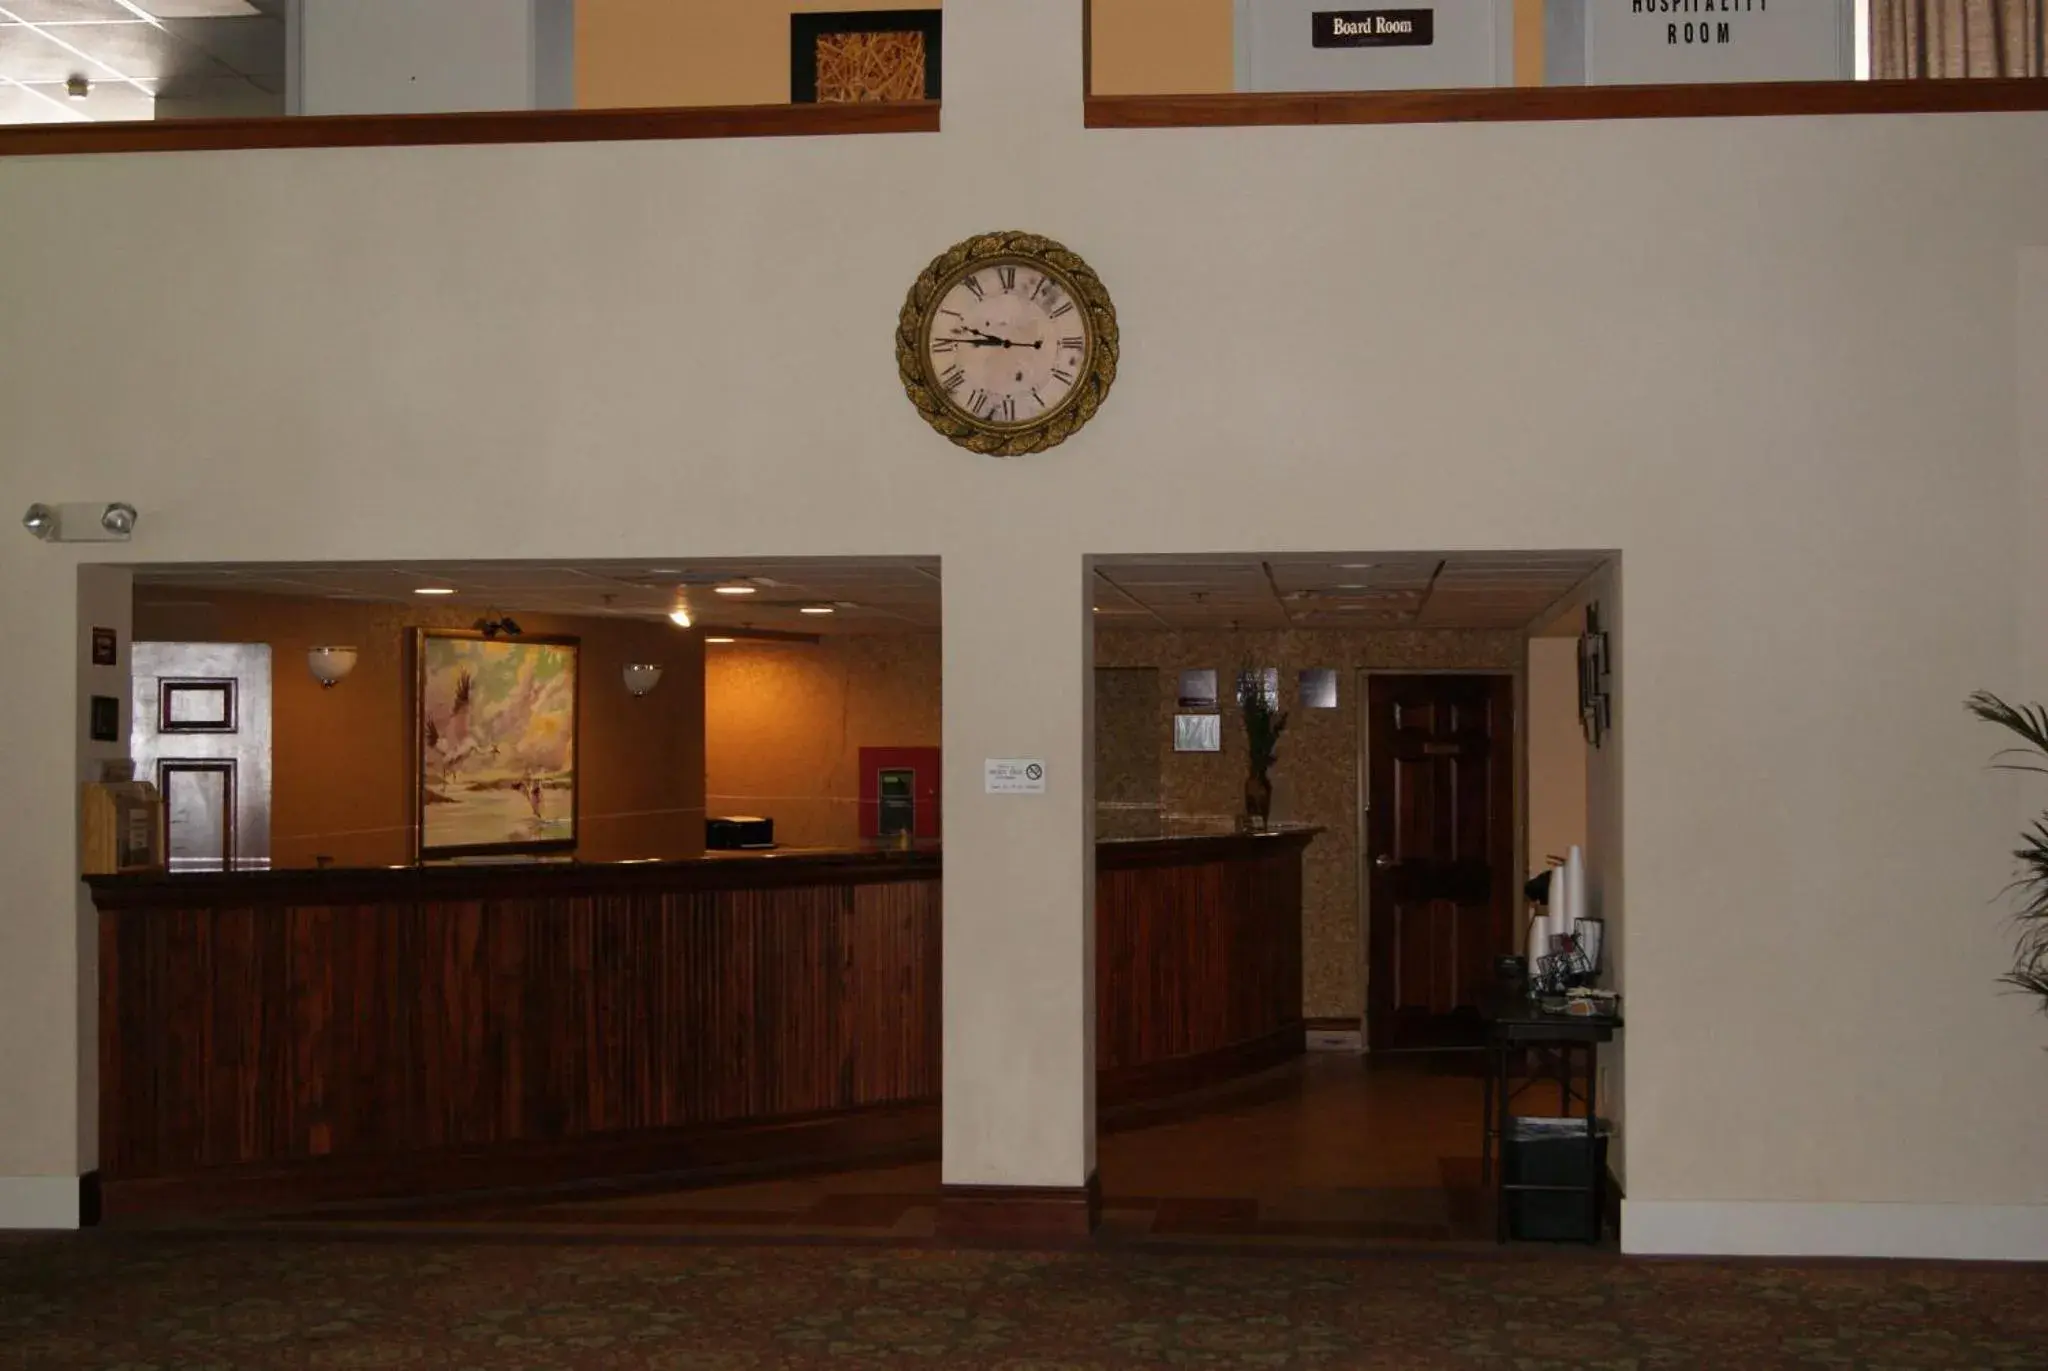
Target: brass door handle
x,y
1383,861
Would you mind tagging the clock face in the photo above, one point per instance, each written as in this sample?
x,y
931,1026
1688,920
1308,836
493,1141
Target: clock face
x,y
1007,343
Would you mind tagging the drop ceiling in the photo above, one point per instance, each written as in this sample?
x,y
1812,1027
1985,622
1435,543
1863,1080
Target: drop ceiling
x,y
144,59
1338,590
866,594
901,595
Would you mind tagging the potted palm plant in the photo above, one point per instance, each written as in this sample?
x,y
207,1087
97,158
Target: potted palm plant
x,y
1264,722
2029,723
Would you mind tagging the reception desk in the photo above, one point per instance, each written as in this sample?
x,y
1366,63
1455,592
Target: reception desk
x,y
278,1039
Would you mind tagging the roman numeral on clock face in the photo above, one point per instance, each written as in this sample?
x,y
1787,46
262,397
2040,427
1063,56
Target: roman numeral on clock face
x,y
974,401
1066,307
974,287
953,377
1008,276
1009,409
945,344
1077,344
1065,378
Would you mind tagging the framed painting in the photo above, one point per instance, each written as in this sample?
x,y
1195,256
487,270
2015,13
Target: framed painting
x,y
864,55
494,722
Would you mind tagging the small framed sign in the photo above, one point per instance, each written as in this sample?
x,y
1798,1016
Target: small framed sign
x,y
106,647
106,719
1375,28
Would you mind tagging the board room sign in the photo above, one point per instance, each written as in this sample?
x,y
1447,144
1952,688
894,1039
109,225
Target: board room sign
x,y
1375,28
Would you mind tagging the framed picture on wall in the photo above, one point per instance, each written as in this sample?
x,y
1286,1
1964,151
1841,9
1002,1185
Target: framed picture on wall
x,y
495,743
860,56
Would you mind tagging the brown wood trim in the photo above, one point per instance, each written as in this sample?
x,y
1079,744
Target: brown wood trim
x,y
1133,854
1178,1075
1540,103
307,888
498,126
670,1158
1340,1024
1019,1213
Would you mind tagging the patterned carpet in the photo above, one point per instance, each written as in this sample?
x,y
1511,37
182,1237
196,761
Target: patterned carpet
x,y
148,1302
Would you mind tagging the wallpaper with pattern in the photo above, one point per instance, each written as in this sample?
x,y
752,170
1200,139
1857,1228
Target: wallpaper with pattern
x,y
1315,780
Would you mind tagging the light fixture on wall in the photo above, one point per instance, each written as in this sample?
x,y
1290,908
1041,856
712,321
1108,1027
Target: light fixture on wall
x,y
491,628
642,677
680,616
111,522
721,640
330,665
817,609
735,590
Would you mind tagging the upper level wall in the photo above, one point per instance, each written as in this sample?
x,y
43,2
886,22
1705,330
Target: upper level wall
x,y
1770,361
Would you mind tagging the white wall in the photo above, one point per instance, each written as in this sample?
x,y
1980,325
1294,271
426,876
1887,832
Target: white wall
x,y
404,57
1771,361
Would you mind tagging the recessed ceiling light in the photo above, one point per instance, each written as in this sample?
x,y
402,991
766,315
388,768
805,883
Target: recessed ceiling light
x,y
734,590
817,609
679,616
718,640
1356,566
434,590
1353,585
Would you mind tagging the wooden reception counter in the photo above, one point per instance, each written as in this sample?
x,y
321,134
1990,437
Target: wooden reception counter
x,y
276,1039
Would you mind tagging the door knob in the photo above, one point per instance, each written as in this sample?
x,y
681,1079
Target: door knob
x,y
1383,861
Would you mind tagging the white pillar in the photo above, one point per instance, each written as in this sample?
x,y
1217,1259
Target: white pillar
x,y
1019,1044
48,1006
447,56
1013,72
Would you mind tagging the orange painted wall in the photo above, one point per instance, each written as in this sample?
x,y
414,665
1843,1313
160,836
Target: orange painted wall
x,y
784,725
342,785
635,53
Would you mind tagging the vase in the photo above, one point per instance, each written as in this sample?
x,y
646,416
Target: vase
x,y
1258,801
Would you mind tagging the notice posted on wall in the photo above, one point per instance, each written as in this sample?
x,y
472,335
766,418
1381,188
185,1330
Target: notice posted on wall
x,y
1013,776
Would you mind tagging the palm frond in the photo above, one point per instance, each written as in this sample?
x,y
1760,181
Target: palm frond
x,y
2029,723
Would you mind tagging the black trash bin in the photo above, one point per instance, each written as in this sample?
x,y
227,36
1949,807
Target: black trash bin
x,y
1547,1151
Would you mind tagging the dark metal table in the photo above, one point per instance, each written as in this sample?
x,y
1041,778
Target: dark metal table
x,y
1515,1023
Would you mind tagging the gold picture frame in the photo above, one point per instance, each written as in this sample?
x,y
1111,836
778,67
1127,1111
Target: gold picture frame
x,y
1098,315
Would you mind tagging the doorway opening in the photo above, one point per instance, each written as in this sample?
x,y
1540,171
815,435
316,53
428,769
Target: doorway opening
x,y
522,893
1331,1087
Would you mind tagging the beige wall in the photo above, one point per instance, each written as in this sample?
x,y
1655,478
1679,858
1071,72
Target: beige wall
x,y
784,725
634,53
341,777
1557,752
1315,780
1763,358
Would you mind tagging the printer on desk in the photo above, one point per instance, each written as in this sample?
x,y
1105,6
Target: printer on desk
x,y
738,833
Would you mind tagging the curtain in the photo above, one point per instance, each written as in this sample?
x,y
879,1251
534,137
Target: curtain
x,y
1942,38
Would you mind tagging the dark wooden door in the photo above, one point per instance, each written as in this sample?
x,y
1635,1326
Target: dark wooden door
x,y
1440,851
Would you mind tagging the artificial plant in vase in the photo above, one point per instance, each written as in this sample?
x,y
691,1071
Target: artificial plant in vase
x,y
1264,722
2030,956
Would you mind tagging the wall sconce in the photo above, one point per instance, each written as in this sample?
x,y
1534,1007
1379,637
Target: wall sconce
x,y
81,523
330,665
491,628
642,677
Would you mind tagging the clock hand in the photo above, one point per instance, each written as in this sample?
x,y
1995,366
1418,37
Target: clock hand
x,y
993,341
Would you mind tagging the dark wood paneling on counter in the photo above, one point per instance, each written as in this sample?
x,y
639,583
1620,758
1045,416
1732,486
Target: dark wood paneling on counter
x,y
1198,961
249,1023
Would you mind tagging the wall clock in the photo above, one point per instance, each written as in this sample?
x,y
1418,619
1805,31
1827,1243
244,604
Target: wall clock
x,y
1007,343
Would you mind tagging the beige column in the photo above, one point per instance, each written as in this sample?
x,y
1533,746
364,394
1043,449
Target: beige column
x,y
47,1004
1019,881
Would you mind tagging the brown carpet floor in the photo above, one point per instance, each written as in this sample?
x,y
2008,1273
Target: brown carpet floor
x,y
154,1302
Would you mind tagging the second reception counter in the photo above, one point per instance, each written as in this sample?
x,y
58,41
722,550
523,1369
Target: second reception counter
x,y
278,1039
